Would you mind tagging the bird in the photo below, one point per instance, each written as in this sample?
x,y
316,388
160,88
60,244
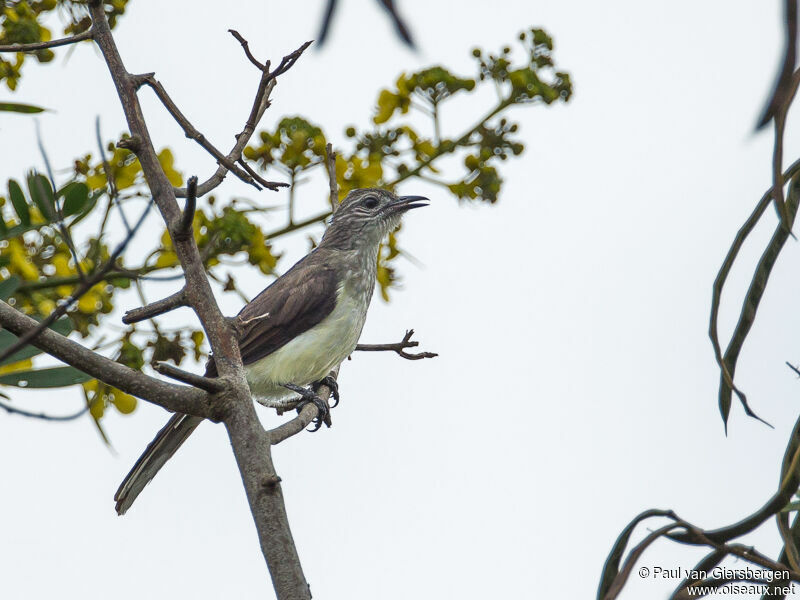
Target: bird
x,y
302,325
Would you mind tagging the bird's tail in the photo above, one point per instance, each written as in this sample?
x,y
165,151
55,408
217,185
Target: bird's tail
x,y
160,450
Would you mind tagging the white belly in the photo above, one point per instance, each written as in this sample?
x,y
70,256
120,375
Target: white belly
x,y
311,355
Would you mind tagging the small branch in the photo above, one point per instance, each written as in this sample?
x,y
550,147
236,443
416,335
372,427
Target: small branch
x,y
307,414
330,165
192,133
176,300
297,225
270,185
260,104
185,226
18,411
398,347
246,47
86,35
208,384
84,287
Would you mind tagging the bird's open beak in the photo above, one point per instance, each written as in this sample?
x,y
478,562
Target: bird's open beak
x,y
404,203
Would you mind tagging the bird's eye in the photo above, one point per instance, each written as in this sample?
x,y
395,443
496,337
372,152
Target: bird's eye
x,y
371,202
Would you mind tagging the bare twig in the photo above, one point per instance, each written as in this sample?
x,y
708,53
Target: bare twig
x,y
398,347
45,417
330,165
185,227
86,35
208,384
192,133
84,287
246,47
260,104
159,307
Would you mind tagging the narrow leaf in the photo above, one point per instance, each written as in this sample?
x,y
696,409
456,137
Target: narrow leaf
x,y
9,286
76,196
42,194
45,378
20,205
62,326
20,108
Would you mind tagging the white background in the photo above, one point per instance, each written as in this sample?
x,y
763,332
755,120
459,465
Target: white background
x,y
576,385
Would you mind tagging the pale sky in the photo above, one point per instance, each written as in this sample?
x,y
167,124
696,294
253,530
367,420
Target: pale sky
x,y
575,386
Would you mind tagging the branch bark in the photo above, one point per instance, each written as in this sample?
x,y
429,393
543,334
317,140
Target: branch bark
x,y
250,442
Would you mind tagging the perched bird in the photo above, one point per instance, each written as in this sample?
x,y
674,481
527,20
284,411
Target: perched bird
x,y
305,323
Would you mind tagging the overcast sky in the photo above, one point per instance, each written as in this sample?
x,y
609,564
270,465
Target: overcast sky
x,y
576,385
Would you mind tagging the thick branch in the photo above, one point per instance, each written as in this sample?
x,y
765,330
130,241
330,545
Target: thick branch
x,y
198,289
86,35
251,447
174,398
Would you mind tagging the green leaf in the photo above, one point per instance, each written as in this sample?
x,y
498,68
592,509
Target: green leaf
x,y
88,208
20,108
18,230
62,326
9,286
20,205
45,378
42,194
76,196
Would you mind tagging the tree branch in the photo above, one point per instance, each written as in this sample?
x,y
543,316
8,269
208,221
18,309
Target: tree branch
x,y
192,133
250,442
185,226
173,397
159,307
260,104
208,384
86,35
308,413
398,347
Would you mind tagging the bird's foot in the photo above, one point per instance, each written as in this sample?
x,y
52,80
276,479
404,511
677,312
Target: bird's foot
x,y
330,382
309,396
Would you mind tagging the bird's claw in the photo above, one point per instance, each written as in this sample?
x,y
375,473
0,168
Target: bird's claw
x,y
308,396
331,383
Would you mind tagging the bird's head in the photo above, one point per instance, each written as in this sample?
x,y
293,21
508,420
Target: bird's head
x,y
367,215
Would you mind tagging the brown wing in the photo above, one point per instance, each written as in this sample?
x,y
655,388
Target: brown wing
x,y
293,304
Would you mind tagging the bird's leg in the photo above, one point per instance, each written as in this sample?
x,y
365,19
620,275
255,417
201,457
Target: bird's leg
x,y
279,405
332,384
310,396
